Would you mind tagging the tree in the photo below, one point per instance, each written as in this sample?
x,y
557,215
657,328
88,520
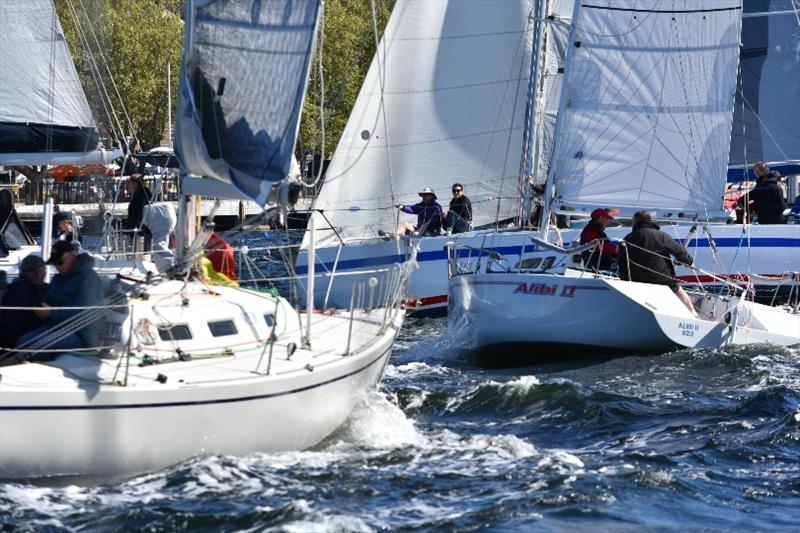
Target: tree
x,y
133,40
139,37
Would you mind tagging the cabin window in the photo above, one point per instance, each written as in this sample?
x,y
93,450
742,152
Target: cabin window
x,y
270,320
221,328
531,262
178,332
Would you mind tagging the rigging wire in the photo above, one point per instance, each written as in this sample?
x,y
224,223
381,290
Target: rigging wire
x,y
94,69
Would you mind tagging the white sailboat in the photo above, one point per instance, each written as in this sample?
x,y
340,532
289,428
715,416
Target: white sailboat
x,y
647,98
183,367
448,99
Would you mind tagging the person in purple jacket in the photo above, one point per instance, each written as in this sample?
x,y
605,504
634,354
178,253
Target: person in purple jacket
x,y
429,215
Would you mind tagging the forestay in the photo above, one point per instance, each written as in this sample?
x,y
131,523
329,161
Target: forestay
x,y
444,101
42,104
243,81
648,109
766,124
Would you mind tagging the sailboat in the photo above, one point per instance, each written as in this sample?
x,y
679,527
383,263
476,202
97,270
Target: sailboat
x,y
647,97
184,367
451,96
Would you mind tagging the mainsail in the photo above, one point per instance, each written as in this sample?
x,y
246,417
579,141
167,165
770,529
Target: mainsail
x,y
646,114
444,101
243,81
766,124
44,115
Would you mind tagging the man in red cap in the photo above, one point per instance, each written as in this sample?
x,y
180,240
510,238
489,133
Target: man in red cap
x,y
605,253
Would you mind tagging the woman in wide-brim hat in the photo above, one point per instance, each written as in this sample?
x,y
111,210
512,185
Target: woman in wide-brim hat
x,y
429,215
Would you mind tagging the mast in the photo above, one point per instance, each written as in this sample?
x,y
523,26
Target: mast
x,y
169,102
562,104
529,155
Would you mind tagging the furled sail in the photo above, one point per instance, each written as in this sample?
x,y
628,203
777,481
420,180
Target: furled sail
x,y
647,109
243,81
43,109
444,101
766,124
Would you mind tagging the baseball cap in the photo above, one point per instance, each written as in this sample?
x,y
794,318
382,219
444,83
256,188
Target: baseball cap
x,y
601,213
31,263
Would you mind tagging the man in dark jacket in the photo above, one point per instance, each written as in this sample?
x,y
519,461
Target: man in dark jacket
x,y
66,229
140,197
75,285
767,200
605,253
26,291
459,215
646,256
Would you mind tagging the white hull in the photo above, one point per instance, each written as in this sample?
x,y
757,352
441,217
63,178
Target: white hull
x,y
764,250
77,416
490,310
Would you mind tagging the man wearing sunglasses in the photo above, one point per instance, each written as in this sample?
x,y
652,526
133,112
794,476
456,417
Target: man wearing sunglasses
x,y
75,285
459,216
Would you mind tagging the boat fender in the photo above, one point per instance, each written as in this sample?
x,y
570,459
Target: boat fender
x,y
290,349
727,317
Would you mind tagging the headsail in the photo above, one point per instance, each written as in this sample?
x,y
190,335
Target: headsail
x,y
766,125
243,81
443,102
648,107
559,16
44,115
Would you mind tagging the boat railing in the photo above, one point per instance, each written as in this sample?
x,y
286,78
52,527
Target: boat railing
x,y
465,259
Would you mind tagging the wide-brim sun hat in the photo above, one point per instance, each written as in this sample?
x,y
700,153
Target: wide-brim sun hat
x,y
427,190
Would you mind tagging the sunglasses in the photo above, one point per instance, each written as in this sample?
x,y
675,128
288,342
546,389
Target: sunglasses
x,y
457,190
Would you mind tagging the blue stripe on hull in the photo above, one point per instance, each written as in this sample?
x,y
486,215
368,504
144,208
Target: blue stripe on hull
x,y
441,255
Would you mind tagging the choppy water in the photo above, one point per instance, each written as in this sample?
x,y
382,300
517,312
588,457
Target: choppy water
x,y
697,440
688,440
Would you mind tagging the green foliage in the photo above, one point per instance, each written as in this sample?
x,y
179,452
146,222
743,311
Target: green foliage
x,y
137,39
348,44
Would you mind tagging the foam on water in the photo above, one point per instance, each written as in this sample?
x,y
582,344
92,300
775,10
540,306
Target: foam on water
x,y
614,445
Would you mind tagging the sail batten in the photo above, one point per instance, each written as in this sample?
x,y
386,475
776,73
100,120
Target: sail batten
x,y
243,82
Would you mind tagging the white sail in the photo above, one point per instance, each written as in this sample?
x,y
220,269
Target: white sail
x,y
559,16
444,101
648,107
42,104
766,124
